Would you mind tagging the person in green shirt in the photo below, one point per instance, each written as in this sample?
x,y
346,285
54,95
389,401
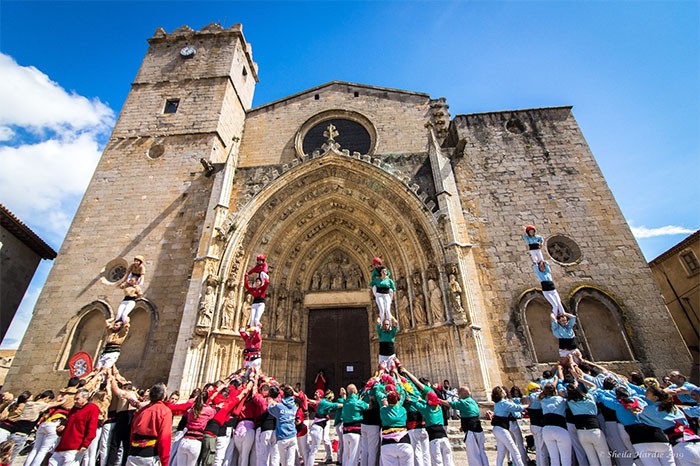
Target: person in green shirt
x,y
338,421
387,335
471,426
319,430
383,289
429,406
351,415
396,444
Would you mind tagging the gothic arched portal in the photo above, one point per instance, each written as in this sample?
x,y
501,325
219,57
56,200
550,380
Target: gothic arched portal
x,y
320,224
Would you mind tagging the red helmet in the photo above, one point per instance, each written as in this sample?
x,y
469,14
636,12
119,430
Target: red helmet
x,y
377,261
530,227
260,258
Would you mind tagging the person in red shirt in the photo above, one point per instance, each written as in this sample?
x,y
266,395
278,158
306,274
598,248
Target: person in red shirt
x,y
258,291
253,343
151,431
80,429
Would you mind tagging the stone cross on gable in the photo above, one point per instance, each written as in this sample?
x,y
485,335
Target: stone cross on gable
x,y
330,132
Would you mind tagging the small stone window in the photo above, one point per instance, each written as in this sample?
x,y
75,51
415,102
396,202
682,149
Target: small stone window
x,y
356,94
244,72
156,151
515,126
171,105
563,249
115,270
690,261
316,97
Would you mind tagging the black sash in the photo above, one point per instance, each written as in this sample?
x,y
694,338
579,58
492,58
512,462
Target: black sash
x,y
436,432
471,424
586,421
642,433
500,421
552,419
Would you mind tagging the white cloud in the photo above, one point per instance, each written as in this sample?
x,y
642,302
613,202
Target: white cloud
x,y
49,147
29,99
644,232
6,133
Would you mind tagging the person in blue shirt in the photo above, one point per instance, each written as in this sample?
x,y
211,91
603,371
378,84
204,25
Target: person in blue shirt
x,y
502,410
549,291
681,388
534,243
588,428
563,330
285,413
661,413
554,432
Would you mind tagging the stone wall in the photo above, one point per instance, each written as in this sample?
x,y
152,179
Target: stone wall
x,y
534,166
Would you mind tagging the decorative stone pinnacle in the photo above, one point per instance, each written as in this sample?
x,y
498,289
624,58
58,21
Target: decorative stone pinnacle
x,y
331,133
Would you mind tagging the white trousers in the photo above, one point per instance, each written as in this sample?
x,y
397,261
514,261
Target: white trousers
x,y
188,452
288,451
124,309
441,452
45,440
399,454
256,312
421,446
90,457
541,455
555,301
384,305
579,452
244,446
655,454
339,433
369,444
105,439
351,449
687,454
618,449
303,448
517,434
65,458
231,455
316,434
4,435
476,454
537,257
222,443
505,443
107,359
266,452
558,444
142,461
596,448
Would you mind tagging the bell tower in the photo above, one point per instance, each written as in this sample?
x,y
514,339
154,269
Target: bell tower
x,y
153,194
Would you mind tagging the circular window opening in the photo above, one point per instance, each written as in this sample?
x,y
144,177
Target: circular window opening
x,y
156,151
115,270
515,126
351,135
563,249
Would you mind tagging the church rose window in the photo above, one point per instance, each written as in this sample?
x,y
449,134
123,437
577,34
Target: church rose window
x,y
563,249
351,136
115,270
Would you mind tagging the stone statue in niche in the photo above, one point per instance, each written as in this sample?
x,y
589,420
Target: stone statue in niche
x,y
325,272
296,323
206,309
244,317
456,291
419,308
228,309
280,322
435,296
337,272
404,312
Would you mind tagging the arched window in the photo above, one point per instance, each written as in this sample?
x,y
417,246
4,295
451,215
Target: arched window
x,y
536,310
88,333
600,320
134,348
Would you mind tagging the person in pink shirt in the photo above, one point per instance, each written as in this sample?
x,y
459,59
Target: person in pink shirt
x,y
197,418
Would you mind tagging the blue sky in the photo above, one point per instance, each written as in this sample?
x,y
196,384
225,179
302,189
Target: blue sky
x,y
631,70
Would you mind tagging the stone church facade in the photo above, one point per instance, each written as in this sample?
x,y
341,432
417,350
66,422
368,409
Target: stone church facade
x,y
320,182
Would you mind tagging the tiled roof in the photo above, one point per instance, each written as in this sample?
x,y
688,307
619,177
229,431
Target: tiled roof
x,y
17,227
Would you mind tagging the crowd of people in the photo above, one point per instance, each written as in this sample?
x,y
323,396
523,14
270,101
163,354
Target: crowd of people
x,y
580,413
